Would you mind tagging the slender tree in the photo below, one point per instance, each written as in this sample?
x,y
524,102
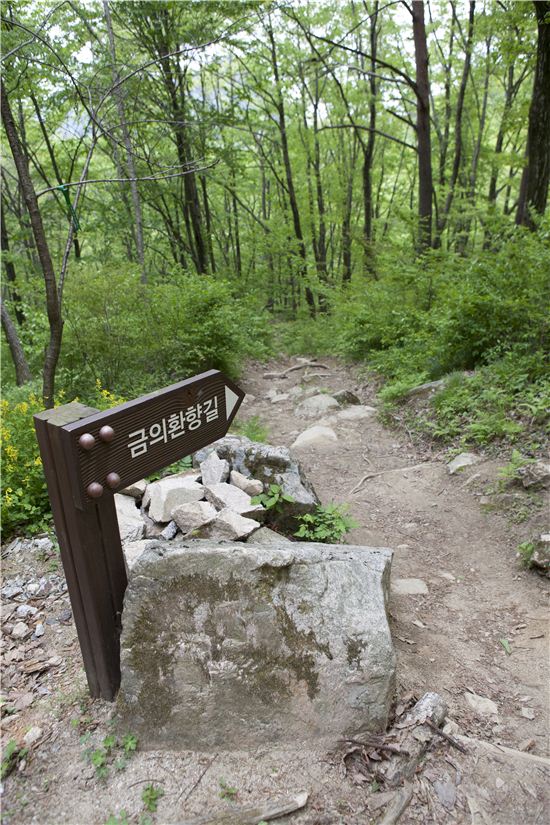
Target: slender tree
x,y
533,193
425,184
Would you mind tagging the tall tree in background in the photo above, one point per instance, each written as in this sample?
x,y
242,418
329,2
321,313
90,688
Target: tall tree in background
x,y
119,92
533,193
53,308
425,184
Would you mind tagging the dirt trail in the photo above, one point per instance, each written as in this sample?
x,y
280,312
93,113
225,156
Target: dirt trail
x,y
477,593
447,640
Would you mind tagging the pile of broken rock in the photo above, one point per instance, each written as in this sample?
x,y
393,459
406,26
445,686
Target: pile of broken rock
x,y
215,499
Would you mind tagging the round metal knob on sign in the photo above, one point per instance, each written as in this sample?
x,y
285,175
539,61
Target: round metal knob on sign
x,y
86,441
106,433
113,480
94,490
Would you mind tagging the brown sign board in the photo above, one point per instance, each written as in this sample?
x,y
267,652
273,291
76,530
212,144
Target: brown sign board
x,y
89,455
142,436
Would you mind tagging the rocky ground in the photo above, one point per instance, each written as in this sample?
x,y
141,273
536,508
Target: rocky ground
x,y
468,622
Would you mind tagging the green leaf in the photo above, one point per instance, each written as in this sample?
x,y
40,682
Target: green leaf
x,y
506,645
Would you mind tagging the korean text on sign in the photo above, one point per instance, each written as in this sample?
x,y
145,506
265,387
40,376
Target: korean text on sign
x,y
173,426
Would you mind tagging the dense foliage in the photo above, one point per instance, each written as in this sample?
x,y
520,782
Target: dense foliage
x,y
371,183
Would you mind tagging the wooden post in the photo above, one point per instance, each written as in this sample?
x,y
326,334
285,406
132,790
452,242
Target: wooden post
x,y
87,455
91,553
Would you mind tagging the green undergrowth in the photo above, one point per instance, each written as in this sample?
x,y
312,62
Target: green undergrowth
x,y
25,505
480,323
504,402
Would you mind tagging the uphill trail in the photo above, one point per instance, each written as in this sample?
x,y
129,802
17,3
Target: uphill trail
x,y
475,593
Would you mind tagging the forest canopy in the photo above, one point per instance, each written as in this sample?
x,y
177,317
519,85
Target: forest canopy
x,y
186,184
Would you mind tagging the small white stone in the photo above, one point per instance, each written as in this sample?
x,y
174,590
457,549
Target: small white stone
x,y
231,525
136,490
25,610
410,587
461,461
316,406
481,704
32,736
130,522
214,470
227,495
39,630
20,630
316,436
171,492
250,486
194,516
357,412
169,531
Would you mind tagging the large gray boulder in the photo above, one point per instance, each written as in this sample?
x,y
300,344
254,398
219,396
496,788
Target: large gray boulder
x,y
270,465
233,648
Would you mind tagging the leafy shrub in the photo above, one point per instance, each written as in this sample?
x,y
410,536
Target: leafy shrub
x,y
137,338
25,503
329,523
447,312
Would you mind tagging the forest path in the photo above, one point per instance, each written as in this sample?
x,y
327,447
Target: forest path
x,y
447,640
477,593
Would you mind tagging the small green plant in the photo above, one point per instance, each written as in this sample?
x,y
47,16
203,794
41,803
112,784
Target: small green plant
x,y
112,752
526,550
511,471
129,743
252,428
150,796
180,466
121,819
273,498
13,755
98,758
227,791
329,523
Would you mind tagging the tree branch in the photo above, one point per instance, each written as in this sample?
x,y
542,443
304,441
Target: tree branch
x,y
128,180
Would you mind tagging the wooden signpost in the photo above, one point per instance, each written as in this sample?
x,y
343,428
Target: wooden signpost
x,y
90,455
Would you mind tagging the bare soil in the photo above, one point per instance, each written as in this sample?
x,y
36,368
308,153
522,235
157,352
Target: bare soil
x,y
458,534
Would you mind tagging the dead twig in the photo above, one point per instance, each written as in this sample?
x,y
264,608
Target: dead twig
x,y
253,815
446,737
284,373
383,472
198,781
469,480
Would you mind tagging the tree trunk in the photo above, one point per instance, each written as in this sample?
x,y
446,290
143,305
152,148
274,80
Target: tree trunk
x,y
346,221
52,303
119,98
442,222
288,173
368,153
10,269
533,193
22,371
425,185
